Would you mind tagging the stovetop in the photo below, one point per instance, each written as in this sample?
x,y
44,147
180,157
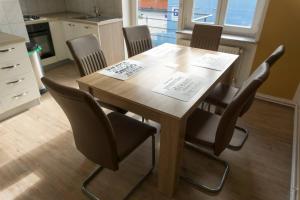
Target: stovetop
x,y
31,17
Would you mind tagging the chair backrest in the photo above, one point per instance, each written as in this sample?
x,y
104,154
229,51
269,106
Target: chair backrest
x,y
271,60
138,39
206,37
92,131
87,54
229,117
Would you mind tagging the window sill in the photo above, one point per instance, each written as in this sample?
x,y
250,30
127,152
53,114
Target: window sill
x,y
225,37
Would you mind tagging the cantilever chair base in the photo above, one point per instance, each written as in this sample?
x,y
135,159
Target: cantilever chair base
x,y
243,141
98,169
95,172
202,186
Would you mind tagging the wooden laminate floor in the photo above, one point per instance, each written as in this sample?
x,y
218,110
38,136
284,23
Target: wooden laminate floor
x,y
38,159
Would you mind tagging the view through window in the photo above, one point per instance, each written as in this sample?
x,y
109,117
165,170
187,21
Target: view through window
x,y
205,11
240,13
237,12
162,17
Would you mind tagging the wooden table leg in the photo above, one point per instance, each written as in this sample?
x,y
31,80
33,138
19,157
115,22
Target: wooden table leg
x,y
171,147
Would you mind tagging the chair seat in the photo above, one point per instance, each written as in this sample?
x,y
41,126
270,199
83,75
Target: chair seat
x,y
202,128
129,133
111,107
222,95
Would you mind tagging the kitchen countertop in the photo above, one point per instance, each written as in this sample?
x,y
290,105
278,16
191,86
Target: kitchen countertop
x,y
71,17
7,39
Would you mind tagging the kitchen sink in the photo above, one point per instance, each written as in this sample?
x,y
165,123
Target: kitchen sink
x,y
94,19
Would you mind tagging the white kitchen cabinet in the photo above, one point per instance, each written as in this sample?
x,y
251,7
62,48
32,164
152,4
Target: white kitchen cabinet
x,y
18,87
58,38
109,35
112,42
74,30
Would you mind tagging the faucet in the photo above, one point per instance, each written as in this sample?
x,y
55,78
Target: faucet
x,y
97,11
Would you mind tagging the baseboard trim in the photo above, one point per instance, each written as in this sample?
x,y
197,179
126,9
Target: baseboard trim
x,y
295,170
56,64
22,108
277,100
295,173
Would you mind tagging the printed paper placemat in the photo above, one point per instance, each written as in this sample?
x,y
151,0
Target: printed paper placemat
x,y
123,70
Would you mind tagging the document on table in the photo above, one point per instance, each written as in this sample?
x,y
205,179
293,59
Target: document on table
x,y
215,62
163,50
180,86
123,70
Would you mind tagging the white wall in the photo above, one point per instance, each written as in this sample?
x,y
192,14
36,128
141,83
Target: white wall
x,y
35,7
11,18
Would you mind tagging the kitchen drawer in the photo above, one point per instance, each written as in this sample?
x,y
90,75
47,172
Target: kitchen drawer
x,y
18,67
16,84
89,29
18,98
13,52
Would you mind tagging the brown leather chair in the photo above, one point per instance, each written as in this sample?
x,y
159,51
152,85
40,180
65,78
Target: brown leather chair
x,y
138,39
103,139
206,37
89,58
222,95
215,132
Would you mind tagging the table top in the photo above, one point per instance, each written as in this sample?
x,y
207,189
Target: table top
x,y
161,62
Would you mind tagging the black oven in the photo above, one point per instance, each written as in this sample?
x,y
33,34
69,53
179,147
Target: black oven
x,y
40,34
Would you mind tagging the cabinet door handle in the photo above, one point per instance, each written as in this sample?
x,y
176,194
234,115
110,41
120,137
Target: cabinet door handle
x,y
6,50
10,67
19,95
15,82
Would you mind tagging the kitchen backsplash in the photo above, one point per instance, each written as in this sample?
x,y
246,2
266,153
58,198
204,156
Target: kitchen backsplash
x,y
12,11
11,18
107,7
36,7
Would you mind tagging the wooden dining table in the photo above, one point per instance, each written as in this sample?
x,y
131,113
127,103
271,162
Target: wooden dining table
x,y
136,95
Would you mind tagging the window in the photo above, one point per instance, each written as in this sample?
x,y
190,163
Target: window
x,y
165,17
205,11
241,17
161,16
240,13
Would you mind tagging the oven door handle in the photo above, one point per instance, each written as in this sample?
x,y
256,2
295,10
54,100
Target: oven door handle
x,y
15,82
10,67
6,50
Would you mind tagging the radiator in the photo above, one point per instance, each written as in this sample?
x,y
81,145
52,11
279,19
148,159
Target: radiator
x,y
232,50
222,48
226,49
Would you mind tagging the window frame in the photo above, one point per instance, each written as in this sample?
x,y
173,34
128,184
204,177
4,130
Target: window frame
x,y
254,31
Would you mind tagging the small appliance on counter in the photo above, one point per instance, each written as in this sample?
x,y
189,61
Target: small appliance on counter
x,y
34,54
30,17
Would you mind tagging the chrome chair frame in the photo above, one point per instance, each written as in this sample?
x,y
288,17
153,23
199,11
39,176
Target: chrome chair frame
x,y
210,156
99,169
